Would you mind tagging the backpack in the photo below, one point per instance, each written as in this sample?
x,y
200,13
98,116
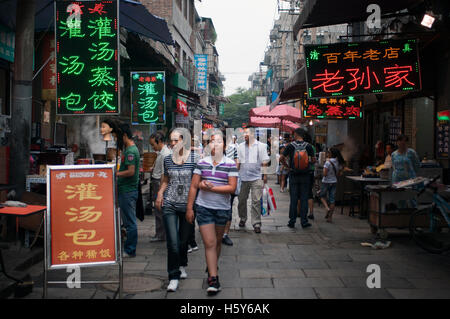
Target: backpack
x,y
300,158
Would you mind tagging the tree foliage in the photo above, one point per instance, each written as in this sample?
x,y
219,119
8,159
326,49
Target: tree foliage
x,y
236,112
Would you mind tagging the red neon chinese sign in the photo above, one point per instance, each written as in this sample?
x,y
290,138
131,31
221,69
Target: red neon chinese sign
x,y
333,108
357,68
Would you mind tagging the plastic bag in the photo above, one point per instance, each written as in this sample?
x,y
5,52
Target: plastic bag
x,y
264,203
270,198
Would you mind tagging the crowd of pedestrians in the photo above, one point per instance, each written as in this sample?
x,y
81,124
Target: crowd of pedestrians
x,y
197,184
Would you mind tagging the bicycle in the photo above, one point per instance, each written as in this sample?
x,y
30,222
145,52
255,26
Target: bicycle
x,y
430,226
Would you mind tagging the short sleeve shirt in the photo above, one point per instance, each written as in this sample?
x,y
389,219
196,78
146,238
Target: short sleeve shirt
x,y
159,163
251,159
217,175
331,173
130,157
180,177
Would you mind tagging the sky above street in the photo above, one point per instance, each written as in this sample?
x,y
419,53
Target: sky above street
x,y
242,28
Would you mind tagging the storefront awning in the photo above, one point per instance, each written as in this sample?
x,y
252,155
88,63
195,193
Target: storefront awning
x,y
133,16
184,93
317,13
293,88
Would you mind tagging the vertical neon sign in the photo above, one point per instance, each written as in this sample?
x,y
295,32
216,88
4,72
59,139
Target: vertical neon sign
x,y
87,57
148,99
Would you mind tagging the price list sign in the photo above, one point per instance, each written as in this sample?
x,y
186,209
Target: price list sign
x,y
395,129
148,99
357,68
87,58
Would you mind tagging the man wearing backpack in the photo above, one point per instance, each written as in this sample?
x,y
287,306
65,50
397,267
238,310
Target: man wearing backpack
x,y
301,156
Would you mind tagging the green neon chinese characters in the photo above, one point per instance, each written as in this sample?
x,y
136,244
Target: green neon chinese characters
x,y
314,55
72,65
101,76
101,51
102,100
148,106
74,29
73,101
101,27
147,89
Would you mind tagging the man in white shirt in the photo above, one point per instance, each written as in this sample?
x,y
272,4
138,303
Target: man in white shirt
x,y
388,159
158,143
252,156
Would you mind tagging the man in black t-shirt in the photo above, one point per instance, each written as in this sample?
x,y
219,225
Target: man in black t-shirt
x,y
299,182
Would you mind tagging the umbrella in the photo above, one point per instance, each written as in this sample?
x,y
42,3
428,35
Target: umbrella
x,y
283,112
272,122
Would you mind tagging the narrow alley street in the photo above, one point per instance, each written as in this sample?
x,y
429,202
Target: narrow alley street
x,y
324,261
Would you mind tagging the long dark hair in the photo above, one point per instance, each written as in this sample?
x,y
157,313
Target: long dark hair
x,y
335,153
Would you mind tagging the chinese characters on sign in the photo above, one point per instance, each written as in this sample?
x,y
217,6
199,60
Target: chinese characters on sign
x,y
7,44
82,216
442,137
148,99
333,108
87,58
201,63
357,68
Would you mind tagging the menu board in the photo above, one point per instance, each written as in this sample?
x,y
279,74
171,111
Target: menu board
x,y
395,128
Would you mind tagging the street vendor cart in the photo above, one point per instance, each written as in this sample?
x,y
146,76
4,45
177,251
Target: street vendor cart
x,y
384,211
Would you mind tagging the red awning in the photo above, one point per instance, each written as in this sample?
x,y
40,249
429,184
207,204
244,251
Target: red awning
x,y
272,123
283,111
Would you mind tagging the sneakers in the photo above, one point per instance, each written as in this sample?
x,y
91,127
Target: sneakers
x,y
126,255
156,239
183,273
173,285
226,240
291,225
306,225
191,249
213,285
257,229
241,224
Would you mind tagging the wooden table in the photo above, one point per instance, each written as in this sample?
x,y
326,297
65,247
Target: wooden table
x,y
18,212
363,181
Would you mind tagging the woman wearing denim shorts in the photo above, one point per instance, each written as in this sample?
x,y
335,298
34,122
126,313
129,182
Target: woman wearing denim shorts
x,y
331,170
216,177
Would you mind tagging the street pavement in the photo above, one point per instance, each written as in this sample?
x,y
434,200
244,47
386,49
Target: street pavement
x,y
322,262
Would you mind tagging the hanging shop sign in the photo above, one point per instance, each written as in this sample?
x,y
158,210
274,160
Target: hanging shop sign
x,y
356,68
87,58
442,135
81,222
148,97
347,108
201,63
182,107
49,71
7,44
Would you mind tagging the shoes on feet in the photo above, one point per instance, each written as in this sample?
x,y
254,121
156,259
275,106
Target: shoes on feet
x,y
183,273
257,229
126,255
241,224
173,285
227,241
311,216
213,285
306,225
156,239
291,225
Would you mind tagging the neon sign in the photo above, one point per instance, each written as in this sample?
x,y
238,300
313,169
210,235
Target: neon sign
x,y
148,100
348,69
87,58
347,108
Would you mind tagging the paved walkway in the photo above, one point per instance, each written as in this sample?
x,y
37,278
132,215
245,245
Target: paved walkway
x,y
324,261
